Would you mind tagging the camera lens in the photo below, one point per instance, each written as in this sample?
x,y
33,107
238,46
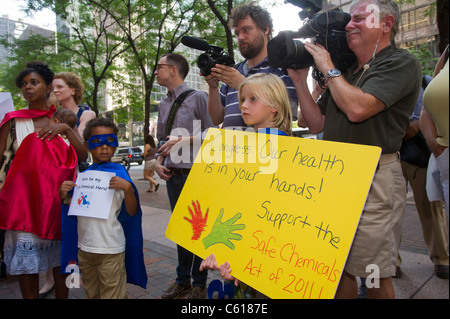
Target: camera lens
x,y
285,52
205,63
302,59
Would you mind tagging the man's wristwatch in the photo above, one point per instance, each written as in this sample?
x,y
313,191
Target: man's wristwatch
x,y
332,74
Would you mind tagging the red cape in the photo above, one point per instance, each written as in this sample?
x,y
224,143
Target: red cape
x,y
26,113
29,200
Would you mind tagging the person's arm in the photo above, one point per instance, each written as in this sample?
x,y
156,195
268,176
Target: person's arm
x,y
64,190
315,94
131,204
215,108
76,141
317,91
146,150
310,111
428,129
354,102
86,116
161,170
440,64
300,120
4,131
228,75
412,130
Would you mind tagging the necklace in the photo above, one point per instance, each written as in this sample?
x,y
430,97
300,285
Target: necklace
x,y
367,65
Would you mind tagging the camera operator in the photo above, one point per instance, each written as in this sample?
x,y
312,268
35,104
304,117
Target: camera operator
x,y
253,29
368,104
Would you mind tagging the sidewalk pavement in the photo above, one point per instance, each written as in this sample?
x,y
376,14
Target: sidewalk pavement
x,y
418,280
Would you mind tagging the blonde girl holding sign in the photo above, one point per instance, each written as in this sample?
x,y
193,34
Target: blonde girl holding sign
x,y
264,103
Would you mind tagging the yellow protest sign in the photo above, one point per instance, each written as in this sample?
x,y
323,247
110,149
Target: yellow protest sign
x,y
281,210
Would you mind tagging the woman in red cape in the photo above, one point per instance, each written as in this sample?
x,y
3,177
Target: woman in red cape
x,y
32,243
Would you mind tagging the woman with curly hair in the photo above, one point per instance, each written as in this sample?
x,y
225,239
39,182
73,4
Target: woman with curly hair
x,y
68,89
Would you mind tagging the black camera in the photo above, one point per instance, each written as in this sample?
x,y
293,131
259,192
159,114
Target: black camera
x,y
213,54
328,29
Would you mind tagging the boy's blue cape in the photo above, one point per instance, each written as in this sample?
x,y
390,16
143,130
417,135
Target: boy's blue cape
x,y
132,227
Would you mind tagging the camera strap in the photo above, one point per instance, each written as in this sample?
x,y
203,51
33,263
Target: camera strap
x,y
175,106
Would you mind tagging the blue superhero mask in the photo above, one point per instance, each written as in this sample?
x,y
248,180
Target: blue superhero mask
x,y
102,139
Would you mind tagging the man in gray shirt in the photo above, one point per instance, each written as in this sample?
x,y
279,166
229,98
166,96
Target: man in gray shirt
x,y
176,155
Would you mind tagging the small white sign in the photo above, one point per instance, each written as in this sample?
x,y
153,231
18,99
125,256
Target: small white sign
x,y
6,104
92,196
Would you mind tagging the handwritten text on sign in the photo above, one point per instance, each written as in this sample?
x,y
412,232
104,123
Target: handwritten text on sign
x,y
92,196
281,210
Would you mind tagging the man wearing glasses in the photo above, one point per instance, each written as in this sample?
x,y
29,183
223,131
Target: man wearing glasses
x,y
180,123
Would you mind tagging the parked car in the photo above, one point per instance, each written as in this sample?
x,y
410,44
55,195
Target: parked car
x,y
127,155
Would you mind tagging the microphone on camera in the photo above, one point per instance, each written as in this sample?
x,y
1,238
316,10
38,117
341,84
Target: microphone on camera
x,y
195,43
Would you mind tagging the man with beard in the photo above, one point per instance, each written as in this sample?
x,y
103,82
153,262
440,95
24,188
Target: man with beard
x,y
253,28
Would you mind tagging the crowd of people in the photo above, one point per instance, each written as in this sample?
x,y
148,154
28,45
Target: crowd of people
x,y
370,103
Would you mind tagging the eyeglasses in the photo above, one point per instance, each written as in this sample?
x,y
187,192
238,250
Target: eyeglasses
x,y
159,66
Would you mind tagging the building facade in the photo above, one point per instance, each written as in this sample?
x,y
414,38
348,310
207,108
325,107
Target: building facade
x,y
10,29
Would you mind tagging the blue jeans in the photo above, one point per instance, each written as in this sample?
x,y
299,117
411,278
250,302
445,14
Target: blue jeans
x,y
187,261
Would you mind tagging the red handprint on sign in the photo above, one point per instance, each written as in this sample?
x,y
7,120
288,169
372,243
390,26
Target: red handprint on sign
x,y
198,221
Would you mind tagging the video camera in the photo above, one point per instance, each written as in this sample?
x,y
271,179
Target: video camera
x,y
328,29
213,54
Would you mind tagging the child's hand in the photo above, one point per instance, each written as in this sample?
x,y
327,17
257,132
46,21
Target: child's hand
x,y
209,263
225,271
131,203
119,183
65,188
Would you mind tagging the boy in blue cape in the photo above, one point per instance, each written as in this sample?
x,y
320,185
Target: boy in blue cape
x,y
109,251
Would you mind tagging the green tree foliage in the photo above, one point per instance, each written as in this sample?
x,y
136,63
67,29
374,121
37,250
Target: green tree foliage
x,y
152,29
121,40
427,60
23,51
89,45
